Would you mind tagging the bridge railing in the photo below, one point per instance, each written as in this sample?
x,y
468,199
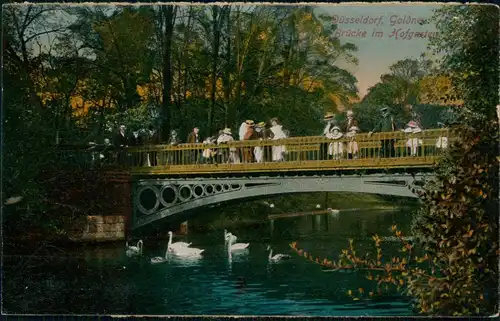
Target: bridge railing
x,y
379,150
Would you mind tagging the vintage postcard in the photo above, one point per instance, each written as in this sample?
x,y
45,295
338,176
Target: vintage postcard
x,y
250,159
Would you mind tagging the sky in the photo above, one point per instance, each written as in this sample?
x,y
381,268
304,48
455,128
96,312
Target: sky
x,y
376,54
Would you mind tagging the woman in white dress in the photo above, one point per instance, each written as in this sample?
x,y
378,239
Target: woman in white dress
x,y
413,143
441,141
233,153
335,149
352,145
278,152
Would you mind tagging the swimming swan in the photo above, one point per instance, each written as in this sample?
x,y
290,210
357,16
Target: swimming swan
x,y
177,245
277,257
235,246
183,250
160,259
133,250
226,236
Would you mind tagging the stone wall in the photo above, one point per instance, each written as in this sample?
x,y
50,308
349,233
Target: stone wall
x,y
102,229
104,199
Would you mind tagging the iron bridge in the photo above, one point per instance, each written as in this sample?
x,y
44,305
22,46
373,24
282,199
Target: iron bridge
x,y
170,197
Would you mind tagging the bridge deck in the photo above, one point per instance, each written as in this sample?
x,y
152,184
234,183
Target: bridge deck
x,y
311,154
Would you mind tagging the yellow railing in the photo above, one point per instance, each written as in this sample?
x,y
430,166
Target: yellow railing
x,y
363,151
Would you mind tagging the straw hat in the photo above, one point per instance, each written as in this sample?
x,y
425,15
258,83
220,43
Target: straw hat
x,y
261,124
329,115
249,122
335,128
227,131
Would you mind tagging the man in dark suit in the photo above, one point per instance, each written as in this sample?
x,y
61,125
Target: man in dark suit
x,y
386,124
153,139
194,138
136,140
121,142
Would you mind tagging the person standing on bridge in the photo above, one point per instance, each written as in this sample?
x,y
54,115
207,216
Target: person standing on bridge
x,y
329,123
175,155
351,127
414,143
442,141
209,153
121,142
335,149
152,139
247,152
260,132
228,155
278,152
194,138
386,124
136,140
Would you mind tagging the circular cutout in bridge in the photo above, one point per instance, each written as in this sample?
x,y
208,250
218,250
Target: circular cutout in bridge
x,y
218,188
198,191
168,195
235,186
209,189
226,187
148,200
185,193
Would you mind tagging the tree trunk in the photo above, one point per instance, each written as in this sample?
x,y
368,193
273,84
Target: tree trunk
x,y
169,17
215,57
237,103
229,108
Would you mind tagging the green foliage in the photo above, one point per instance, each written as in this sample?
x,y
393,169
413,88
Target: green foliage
x,y
458,223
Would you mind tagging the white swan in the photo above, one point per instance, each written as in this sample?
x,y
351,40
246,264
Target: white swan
x,y
277,257
235,246
177,245
133,250
160,259
226,236
182,250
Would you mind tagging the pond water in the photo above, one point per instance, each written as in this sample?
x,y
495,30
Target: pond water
x,y
104,280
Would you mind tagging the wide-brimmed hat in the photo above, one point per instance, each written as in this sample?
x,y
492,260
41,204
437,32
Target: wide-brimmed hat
x,y
412,124
384,109
122,126
329,115
354,129
261,124
249,122
350,113
227,131
335,128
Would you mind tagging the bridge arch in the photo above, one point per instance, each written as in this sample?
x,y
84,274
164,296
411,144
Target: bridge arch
x,y
204,192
